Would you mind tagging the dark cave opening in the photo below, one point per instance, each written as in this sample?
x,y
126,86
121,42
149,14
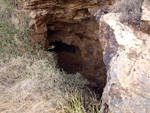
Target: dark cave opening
x,y
78,49
69,56
61,47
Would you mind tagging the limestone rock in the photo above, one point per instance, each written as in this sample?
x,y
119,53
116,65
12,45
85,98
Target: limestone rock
x,y
128,59
146,10
145,17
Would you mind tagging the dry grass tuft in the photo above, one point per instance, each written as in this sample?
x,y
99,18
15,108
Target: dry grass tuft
x,y
83,103
35,85
131,11
30,80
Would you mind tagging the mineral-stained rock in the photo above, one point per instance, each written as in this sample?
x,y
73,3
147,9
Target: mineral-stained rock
x,y
128,60
43,12
128,75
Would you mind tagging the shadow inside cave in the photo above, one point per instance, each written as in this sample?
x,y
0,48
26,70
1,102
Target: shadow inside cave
x,y
69,57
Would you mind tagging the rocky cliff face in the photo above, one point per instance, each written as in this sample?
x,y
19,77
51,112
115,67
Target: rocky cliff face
x,y
99,36
126,51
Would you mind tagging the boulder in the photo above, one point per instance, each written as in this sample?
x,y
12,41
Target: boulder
x,y
126,53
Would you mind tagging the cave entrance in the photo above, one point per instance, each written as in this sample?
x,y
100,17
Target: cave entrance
x,y
69,56
78,49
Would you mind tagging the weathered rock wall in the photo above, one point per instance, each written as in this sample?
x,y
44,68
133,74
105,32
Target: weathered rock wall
x,y
126,51
44,12
73,23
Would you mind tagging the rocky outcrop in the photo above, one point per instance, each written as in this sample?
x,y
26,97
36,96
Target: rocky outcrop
x,y
72,23
127,55
146,10
145,20
125,50
47,12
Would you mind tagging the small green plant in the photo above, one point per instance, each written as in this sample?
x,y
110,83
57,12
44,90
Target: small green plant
x,y
83,103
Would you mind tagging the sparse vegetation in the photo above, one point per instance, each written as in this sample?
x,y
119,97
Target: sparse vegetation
x,y
14,35
35,84
131,11
30,80
83,103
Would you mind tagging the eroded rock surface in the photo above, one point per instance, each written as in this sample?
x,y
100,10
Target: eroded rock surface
x,y
145,19
74,23
45,12
146,10
128,80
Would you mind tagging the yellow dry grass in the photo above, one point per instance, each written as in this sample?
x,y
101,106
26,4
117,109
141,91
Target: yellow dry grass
x,y
30,79
35,85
